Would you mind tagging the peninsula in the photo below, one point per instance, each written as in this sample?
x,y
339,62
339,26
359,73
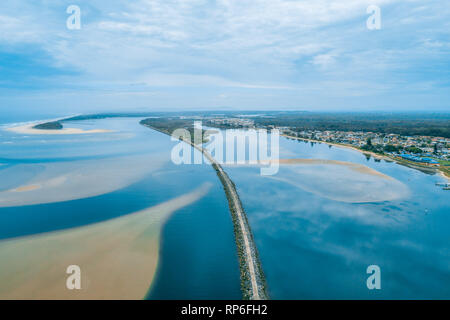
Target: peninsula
x,y
253,283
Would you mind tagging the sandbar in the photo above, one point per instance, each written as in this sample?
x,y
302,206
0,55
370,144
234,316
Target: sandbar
x,y
351,165
28,129
118,258
341,181
26,188
337,180
360,168
72,180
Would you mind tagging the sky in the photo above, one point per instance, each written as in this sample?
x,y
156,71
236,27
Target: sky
x,y
156,55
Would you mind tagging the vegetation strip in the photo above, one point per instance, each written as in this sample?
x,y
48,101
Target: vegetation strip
x,y
253,283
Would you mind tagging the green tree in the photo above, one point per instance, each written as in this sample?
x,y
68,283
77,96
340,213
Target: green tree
x,y
391,148
414,149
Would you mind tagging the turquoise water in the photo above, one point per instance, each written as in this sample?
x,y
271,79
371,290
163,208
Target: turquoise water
x,y
314,247
197,255
311,245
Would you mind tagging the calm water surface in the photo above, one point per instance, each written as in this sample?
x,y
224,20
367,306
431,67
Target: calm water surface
x,y
313,247
197,256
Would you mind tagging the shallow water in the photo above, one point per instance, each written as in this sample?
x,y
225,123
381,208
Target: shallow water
x,y
197,240
313,246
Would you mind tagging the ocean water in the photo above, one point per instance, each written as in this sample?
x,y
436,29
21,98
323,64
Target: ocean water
x,y
197,254
313,246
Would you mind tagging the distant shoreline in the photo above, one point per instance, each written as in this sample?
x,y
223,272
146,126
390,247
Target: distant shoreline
x,y
124,249
373,154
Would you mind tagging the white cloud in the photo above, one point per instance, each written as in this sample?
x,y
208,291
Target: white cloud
x,y
258,44
324,60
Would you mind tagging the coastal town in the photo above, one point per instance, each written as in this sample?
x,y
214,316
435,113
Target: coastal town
x,y
426,151
419,147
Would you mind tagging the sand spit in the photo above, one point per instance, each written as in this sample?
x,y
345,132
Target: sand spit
x,y
72,180
253,283
118,258
338,180
360,168
26,188
28,129
341,181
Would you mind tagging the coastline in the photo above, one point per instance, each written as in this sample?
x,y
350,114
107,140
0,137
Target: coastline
x,y
73,180
29,129
253,283
376,156
444,175
118,258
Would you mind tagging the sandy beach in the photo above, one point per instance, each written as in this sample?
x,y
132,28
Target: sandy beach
x,y
28,129
118,258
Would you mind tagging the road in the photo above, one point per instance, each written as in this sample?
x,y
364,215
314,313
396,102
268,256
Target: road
x,y
250,257
258,292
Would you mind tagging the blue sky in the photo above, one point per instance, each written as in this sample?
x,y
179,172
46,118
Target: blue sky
x,y
238,54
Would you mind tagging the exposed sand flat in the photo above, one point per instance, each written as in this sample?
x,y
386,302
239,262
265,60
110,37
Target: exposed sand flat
x,y
373,154
353,166
26,188
443,175
337,180
64,181
118,258
28,129
341,181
